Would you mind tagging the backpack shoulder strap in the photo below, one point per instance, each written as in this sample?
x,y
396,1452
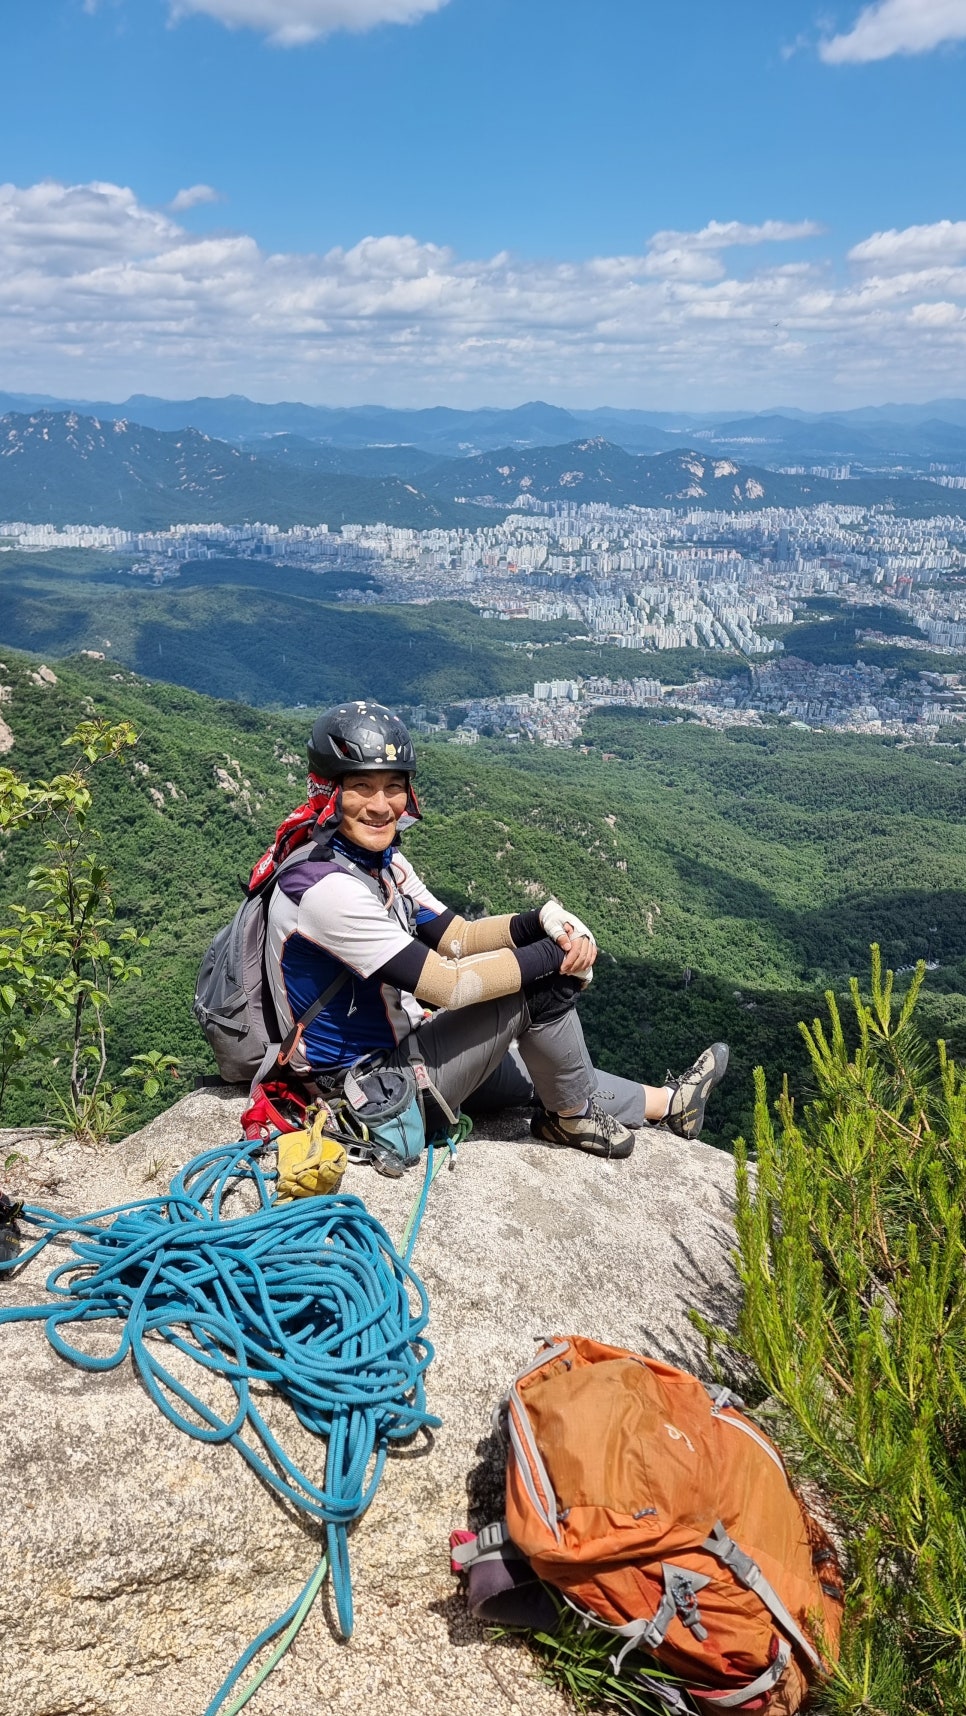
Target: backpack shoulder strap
x,y
339,860
291,1042
292,1039
748,1573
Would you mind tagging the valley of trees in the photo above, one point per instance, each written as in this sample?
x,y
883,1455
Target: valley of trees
x,y
235,628
730,877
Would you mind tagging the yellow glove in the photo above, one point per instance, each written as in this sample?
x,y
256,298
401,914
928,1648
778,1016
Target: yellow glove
x,y
309,1162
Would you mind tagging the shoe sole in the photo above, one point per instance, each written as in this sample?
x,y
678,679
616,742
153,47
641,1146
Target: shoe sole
x,y
689,1123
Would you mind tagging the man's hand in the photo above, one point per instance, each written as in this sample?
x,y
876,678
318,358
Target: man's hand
x,y
580,960
570,933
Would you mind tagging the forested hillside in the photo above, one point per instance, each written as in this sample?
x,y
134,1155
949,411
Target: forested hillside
x,y
278,636
730,876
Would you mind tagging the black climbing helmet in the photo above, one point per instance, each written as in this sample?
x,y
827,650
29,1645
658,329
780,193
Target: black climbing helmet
x,y
357,738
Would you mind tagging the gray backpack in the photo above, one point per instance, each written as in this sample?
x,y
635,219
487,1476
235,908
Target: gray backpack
x,y
233,997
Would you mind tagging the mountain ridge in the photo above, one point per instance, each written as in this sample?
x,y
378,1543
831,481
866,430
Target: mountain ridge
x,y
62,468
453,432
598,471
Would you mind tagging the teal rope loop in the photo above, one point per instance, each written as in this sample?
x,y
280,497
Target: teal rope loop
x,y
309,1296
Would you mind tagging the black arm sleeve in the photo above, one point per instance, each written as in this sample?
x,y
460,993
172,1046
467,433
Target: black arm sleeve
x,y
540,959
404,968
526,927
433,930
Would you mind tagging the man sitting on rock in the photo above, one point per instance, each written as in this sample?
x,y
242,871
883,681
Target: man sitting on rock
x,y
350,920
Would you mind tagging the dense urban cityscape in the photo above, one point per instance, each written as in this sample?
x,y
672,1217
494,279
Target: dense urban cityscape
x,y
643,580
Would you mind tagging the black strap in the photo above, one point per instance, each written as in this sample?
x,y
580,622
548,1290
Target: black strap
x,y
310,1015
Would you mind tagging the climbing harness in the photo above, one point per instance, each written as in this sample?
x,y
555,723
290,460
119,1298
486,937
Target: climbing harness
x,y
310,1296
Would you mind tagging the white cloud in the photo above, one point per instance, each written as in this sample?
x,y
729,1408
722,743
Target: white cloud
x,y
721,235
697,255
77,226
192,197
944,242
291,23
897,27
938,315
101,296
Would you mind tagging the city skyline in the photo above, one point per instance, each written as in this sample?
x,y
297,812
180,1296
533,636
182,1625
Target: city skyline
x,y
469,202
695,589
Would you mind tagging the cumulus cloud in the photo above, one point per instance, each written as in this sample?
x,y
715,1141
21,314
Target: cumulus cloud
x,y
897,27
697,255
101,296
291,23
944,242
192,197
78,227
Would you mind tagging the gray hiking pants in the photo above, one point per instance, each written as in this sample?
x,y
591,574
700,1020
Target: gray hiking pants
x,y
491,1055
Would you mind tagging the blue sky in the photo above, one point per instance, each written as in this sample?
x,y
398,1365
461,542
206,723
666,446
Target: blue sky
x,y
634,202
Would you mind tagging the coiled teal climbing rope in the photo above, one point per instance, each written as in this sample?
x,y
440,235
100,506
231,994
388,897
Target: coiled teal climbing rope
x,y
310,1297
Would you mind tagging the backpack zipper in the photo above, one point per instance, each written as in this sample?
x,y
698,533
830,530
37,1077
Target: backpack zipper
x,y
739,1424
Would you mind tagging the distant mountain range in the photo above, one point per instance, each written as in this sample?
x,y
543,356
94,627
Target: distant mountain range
x,y
597,471
777,437
905,435
440,430
57,467
299,453
64,468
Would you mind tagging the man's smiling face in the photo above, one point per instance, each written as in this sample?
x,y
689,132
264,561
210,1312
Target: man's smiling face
x,y
372,804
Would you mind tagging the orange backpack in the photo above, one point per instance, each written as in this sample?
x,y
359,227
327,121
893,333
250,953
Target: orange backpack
x,y
661,1513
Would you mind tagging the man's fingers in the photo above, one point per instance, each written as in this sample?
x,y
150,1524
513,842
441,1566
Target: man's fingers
x,y
581,954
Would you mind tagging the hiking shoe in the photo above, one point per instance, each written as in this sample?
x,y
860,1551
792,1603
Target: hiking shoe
x,y
690,1092
596,1132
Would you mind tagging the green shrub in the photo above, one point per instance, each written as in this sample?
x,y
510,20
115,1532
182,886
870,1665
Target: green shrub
x,y
63,956
851,1255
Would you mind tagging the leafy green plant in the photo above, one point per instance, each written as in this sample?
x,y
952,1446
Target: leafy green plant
x,y
577,1659
63,957
852,1255
152,1070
